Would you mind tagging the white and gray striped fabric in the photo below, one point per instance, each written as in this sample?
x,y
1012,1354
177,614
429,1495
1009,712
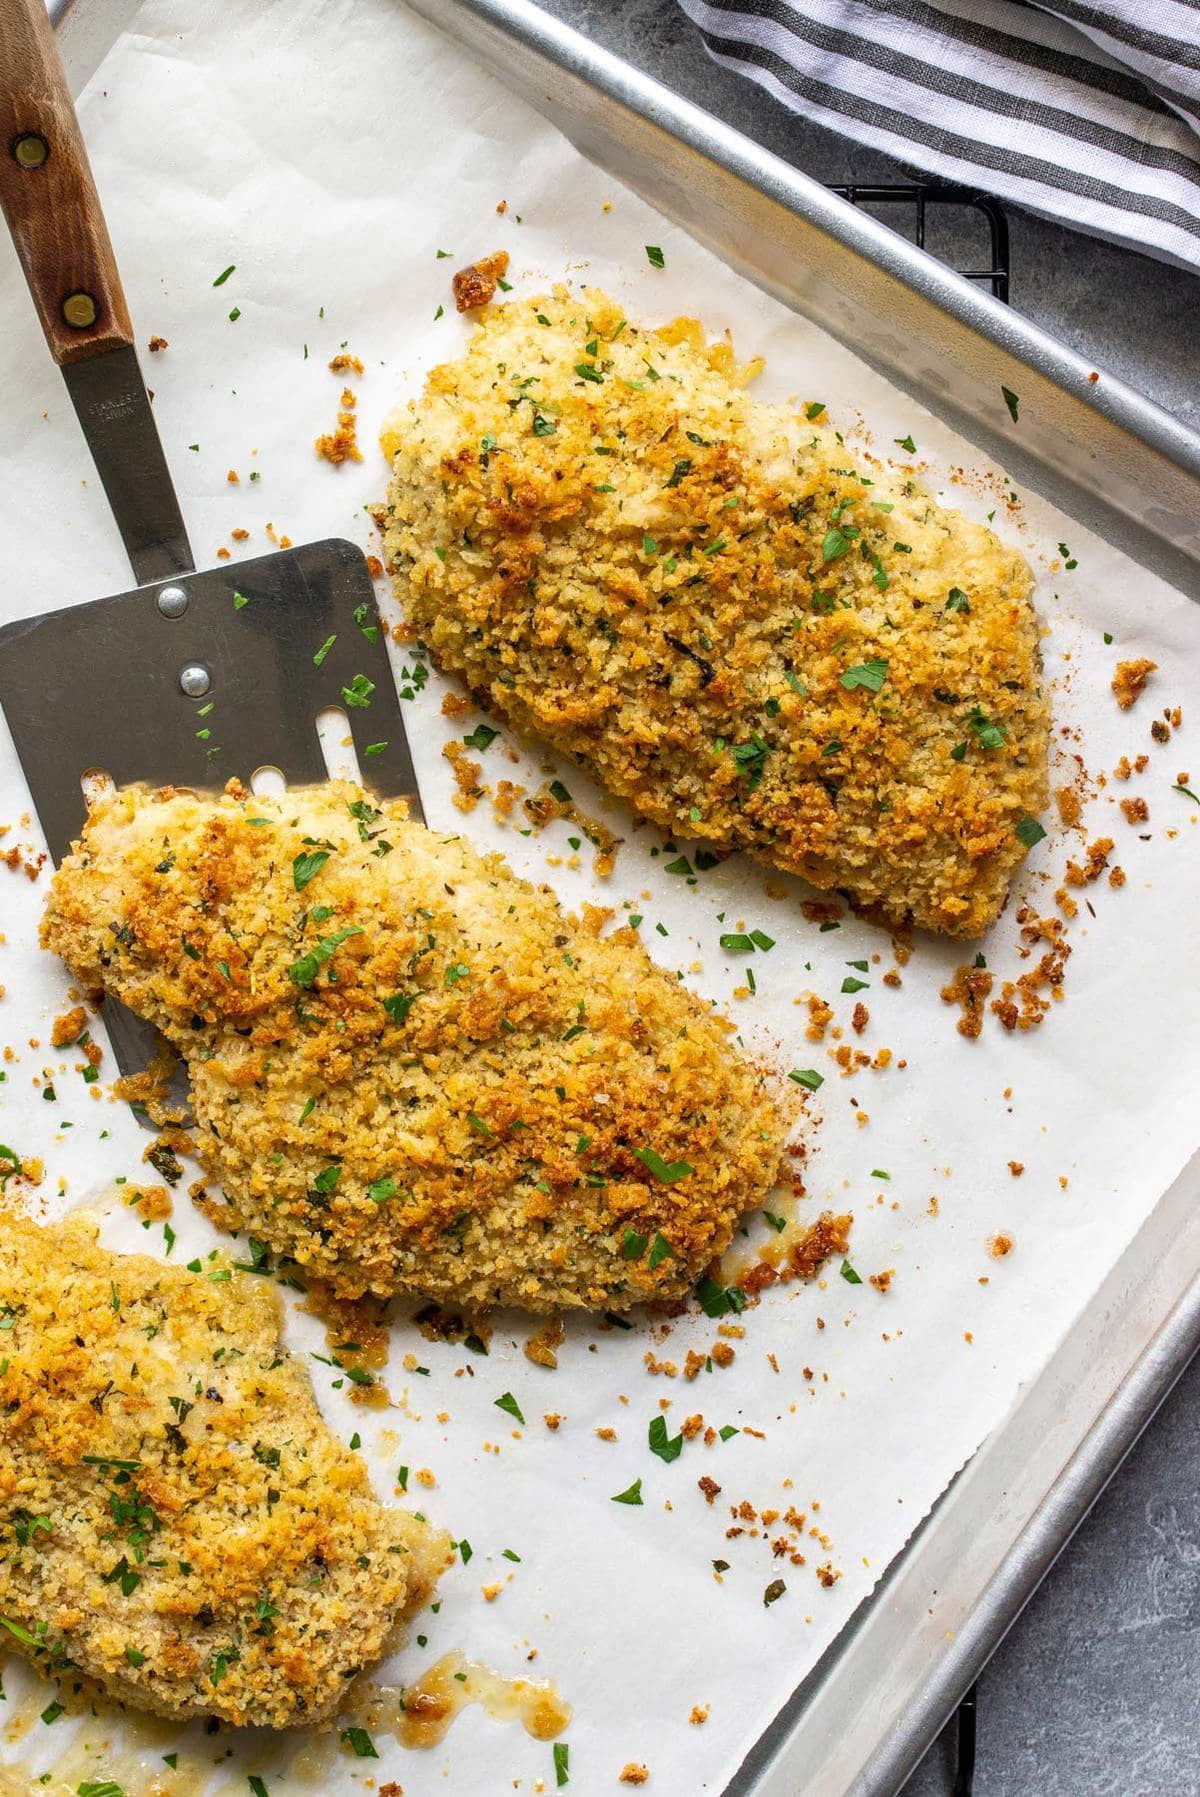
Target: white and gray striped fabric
x,y
1087,111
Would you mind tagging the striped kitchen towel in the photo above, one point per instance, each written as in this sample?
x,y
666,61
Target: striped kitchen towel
x,y
1087,111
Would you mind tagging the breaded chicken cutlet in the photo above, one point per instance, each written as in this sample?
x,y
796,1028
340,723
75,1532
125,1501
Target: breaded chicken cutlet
x,y
176,1521
411,1071
726,616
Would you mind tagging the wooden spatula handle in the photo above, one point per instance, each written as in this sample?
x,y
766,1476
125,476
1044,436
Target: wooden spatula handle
x,y
49,197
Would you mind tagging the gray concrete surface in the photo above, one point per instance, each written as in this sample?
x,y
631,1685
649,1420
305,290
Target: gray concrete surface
x,y
1094,1694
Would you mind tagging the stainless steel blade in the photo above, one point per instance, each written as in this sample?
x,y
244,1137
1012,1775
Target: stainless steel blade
x,y
113,407
102,687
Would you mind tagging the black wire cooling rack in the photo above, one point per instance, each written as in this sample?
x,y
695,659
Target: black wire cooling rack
x,y
923,197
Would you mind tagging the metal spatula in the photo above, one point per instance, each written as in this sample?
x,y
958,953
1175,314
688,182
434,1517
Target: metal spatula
x,y
188,678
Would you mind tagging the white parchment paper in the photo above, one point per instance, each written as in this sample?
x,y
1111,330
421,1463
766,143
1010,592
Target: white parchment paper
x,y
329,149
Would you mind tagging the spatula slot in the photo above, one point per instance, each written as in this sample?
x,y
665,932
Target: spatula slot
x,y
268,783
97,687
337,744
97,784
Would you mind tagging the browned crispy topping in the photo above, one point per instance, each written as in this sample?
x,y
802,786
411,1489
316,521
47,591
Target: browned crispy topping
x,y
182,1526
693,595
475,285
410,1070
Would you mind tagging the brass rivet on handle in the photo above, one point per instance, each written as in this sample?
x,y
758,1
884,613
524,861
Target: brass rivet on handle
x,y
80,310
30,150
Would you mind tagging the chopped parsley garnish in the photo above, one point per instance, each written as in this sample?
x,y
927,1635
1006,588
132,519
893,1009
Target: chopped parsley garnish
x,y
224,275
380,1190
306,867
562,1760
717,1300
543,427
665,1171
750,757
814,409
323,651
957,600
654,256
1029,830
774,1591
400,1004
359,691
508,1403
778,1224
362,614
360,1743
849,1275
239,600
660,1250
868,674
633,1245
988,735
808,1077
850,984
837,540
304,971
1187,793
587,372
482,737
1011,401
906,443
667,1447
459,971
632,1495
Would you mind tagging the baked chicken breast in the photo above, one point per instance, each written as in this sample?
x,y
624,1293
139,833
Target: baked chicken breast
x,y
176,1521
411,1071
756,636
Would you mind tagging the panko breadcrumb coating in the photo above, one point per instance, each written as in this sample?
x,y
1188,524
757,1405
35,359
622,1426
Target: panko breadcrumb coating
x,y
176,1521
411,1071
757,637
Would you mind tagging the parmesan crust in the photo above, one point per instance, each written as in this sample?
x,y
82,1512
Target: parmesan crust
x,y
624,554
411,1071
176,1521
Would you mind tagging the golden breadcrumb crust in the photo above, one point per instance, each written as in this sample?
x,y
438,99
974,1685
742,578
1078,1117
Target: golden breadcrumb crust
x,y
176,1521
415,1072
755,636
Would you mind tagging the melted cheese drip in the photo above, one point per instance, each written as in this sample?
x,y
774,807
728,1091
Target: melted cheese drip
x,y
430,1704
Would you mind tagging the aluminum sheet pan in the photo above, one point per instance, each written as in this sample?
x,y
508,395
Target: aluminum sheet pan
x,y
861,1721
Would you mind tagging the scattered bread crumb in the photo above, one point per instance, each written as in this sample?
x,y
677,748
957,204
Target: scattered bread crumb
x,y
1130,679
